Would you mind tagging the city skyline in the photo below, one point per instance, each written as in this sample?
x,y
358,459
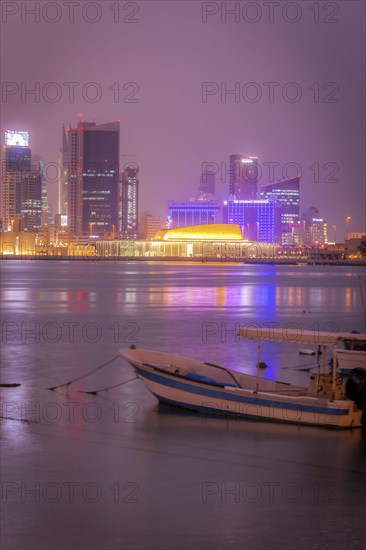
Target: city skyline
x,y
184,103
184,334
78,156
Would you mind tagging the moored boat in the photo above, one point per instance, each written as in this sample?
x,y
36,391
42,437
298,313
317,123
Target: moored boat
x,y
354,353
306,351
209,388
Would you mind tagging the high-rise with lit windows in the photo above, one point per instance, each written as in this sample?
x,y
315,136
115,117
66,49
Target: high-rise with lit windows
x,y
206,190
315,227
243,177
93,186
63,175
286,193
183,214
129,203
257,219
21,185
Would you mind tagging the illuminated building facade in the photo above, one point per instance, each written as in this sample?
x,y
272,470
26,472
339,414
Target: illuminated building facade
x,y
193,213
206,191
129,203
286,193
257,219
315,227
93,178
21,188
243,177
39,166
31,200
149,225
63,175
215,232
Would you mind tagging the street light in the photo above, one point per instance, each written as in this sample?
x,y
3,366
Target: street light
x,y
347,222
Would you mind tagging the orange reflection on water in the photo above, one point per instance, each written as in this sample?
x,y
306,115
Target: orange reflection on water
x,y
348,299
221,296
292,296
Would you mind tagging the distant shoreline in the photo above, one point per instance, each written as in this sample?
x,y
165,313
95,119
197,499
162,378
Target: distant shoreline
x,y
179,259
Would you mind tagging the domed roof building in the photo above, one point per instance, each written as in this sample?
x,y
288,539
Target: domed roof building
x,y
210,232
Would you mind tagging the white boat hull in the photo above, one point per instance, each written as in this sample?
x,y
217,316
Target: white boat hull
x,y
349,359
158,373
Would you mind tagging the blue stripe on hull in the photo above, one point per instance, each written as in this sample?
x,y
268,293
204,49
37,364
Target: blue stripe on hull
x,y
238,398
232,414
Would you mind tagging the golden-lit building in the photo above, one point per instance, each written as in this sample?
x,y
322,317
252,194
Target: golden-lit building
x,y
211,241
212,232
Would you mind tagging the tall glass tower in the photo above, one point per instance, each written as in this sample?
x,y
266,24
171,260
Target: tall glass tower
x,y
243,177
21,185
129,203
93,178
286,193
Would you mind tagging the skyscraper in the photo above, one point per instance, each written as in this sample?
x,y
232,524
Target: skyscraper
x,y
46,217
315,227
63,176
206,190
286,193
234,175
129,203
21,187
93,153
248,189
31,198
258,219
243,177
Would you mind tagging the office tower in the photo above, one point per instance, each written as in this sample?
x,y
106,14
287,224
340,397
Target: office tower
x,y
31,198
129,203
315,227
259,220
149,225
193,213
286,193
21,187
243,177
46,216
235,174
206,190
16,160
63,176
248,189
93,153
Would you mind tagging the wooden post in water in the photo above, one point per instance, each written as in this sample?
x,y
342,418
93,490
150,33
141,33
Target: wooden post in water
x,y
258,363
362,300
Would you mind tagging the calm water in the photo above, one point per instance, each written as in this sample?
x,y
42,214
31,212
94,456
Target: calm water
x,y
116,471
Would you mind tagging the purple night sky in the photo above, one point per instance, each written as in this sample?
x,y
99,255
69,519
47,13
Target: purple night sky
x,y
169,52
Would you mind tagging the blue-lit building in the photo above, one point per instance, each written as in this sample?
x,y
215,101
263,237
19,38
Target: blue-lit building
x,y
286,194
259,220
183,214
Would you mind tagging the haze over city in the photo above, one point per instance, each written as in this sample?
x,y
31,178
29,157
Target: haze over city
x,y
183,254
193,83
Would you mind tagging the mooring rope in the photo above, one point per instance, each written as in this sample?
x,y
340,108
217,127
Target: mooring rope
x,y
86,374
94,392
